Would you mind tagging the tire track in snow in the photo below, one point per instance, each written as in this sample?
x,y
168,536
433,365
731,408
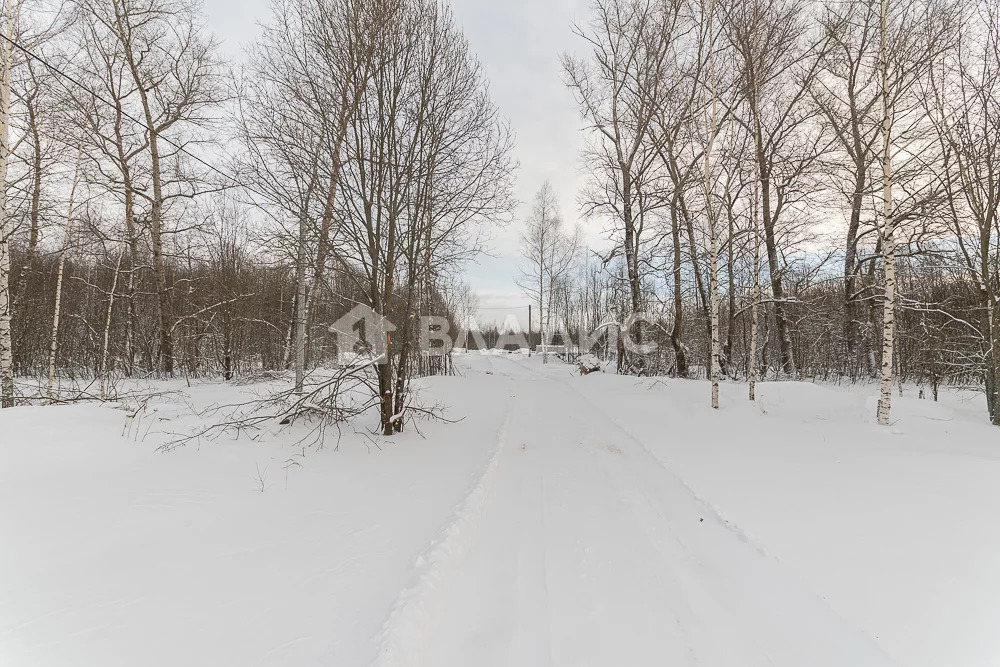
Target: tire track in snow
x,y
709,507
807,622
407,632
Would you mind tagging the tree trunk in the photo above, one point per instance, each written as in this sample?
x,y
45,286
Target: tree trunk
x,y
107,323
993,361
301,300
631,250
774,269
713,242
852,326
6,353
714,299
727,349
166,350
888,237
676,341
54,339
34,209
755,211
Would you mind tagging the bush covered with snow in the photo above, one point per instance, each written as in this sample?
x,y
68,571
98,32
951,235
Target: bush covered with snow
x,y
588,363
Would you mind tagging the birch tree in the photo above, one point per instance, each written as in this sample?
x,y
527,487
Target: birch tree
x,y
888,227
8,16
711,122
175,77
778,59
301,88
964,102
753,90
847,93
911,38
429,158
57,309
547,252
618,89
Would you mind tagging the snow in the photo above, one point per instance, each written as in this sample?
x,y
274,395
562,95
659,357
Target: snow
x,y
566,520
588,363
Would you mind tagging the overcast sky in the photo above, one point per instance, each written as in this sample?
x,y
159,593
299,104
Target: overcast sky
x,y
518,43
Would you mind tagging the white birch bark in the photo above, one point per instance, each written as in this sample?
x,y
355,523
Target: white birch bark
x,y
755,213
301,299
888,234
6,351
67,235
107,322
712,235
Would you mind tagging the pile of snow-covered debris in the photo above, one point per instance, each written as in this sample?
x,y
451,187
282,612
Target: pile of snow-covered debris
x,y
588,363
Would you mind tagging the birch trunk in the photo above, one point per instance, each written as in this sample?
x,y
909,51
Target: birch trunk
x,y
727,348
107,322
680,353
6,352
993,359
888,235
541,310
34,208
301,301
714,297
712,232
286,357
67,235
755,294
755,213
144,88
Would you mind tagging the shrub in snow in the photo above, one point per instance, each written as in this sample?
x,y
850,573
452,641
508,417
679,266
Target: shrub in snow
x,y
588,363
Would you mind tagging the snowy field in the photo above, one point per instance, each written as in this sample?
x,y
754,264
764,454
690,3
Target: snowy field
x,y
566,520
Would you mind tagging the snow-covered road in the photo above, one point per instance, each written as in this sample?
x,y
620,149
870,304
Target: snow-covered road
x,y
588,551
556,520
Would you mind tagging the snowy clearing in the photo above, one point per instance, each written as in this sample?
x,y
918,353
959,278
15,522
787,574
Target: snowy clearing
x,y
566,520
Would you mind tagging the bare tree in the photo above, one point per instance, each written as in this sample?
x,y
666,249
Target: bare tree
x,y
8,17
618,89
547,251
428,158
67,235
712,123
175,77
911,37
778,59
964,103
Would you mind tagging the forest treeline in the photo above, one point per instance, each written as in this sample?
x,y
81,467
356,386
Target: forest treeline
x,y
168,212
790,189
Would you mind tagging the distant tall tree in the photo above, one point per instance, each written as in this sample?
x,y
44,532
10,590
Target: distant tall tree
x,y
428,157
965,106
618,90
777,59
57,310
174,72
298,94
913,34
847,93
680,149
547,251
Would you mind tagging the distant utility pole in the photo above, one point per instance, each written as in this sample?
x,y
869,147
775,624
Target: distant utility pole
x,y
529,329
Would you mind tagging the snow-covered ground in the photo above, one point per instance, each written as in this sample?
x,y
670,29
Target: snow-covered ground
x,y
566,520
